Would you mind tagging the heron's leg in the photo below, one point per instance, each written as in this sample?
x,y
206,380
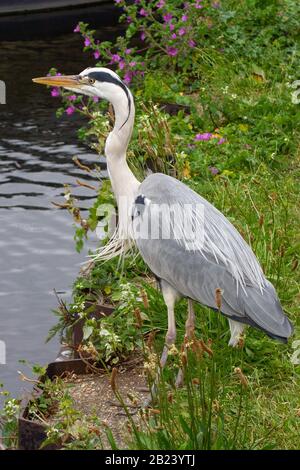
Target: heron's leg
x,y
170,296
190,322
236,330
189,334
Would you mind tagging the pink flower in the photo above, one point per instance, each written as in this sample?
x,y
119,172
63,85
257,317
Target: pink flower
x,y
172,27
221,141
70,110
192,43
181,31
128,77
129,19
118,1
55,92
143,36
143,12
87,42
174,36
127,51
95,99
132,63
167,18
72,97
161,4
137,2
197,4
76,29
96,54
172,51
184,18
205,136
115,58
213,170
121,64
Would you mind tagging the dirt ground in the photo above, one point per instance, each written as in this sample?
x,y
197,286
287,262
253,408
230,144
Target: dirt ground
x,y
93,395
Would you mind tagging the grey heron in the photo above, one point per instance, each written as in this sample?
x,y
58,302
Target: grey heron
x,y
215,260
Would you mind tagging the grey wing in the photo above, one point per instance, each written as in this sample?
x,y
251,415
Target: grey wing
x,y
197,273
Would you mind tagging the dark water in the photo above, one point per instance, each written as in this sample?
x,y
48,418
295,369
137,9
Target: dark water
x,y
36,240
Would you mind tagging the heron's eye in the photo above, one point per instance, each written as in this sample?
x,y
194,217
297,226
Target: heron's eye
x,y
91,81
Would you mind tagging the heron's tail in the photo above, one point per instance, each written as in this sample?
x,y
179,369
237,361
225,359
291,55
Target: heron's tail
x,y
263,310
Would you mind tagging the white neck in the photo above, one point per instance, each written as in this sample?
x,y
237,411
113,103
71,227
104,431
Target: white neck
x,y
123,181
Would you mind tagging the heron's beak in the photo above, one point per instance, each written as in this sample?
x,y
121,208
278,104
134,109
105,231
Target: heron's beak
x,y
67,81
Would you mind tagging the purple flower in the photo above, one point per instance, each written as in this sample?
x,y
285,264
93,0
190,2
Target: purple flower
x,y
129,19
192,43
167,18
118,1
96,54
95,99
182,31
87,42
213,170
205,136
221,141
121,64
72,97
76,29
55,92
172,27
70,110
143,12
174,36
127,51
128,77
172,51
161,4
132,63
137,2
143,36
184,18
115,58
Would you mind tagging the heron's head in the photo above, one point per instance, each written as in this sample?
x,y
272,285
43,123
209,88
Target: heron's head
x,y
96,81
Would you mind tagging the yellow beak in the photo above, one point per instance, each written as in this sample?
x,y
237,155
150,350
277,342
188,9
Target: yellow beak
x,y
70,81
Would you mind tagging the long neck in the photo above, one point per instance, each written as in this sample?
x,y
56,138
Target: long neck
x,y
124,183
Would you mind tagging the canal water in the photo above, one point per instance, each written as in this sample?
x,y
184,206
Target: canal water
x,y
37,252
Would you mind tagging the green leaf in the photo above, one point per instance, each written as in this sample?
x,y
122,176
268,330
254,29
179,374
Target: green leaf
x,y
87,331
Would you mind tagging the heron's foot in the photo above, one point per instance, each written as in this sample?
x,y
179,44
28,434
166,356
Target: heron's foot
x,y
143,389
134,409
179,379
117,404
